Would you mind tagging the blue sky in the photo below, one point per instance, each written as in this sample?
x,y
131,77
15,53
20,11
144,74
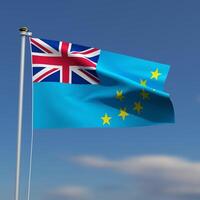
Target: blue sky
x,y
158,162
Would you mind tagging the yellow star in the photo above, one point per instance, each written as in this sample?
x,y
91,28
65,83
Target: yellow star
x,y
123,114
119,95
143,83
144,94
138,107
155,74
106,119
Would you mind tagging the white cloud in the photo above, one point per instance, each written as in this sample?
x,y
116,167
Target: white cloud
x,y
72,192
163,175
93,161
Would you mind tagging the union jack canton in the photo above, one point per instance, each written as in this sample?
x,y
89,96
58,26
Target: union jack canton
x,y
58,61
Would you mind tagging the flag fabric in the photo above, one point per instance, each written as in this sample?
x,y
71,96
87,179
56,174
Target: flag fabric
x,y
63,62
79,87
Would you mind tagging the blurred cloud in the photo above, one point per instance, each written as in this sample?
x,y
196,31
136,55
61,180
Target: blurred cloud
x,y
157,176
70,192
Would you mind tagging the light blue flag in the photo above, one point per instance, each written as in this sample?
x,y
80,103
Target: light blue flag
x,y
78,86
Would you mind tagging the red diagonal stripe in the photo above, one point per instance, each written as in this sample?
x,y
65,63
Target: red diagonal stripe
x,y
40,46
89,75
45,74
90,51
87,51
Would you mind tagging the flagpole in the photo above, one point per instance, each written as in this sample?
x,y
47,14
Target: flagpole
x,y
23,32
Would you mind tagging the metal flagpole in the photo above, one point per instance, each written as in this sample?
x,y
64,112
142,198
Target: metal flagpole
x,y
23,32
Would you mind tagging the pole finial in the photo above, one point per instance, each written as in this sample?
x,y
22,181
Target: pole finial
x,y
24,29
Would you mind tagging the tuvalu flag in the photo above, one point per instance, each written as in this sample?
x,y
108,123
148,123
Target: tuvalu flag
x,y
79,86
